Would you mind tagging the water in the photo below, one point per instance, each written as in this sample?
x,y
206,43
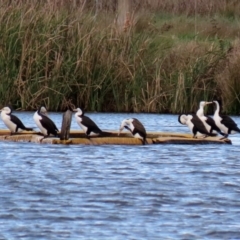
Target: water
x,y
120,192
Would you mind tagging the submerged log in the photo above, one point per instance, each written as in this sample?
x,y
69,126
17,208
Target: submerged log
x,y
125,138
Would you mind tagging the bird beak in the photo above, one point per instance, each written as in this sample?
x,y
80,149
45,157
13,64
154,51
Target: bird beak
x,y
120,129
206,103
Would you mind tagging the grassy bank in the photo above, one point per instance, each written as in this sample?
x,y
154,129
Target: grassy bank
x,y
163,62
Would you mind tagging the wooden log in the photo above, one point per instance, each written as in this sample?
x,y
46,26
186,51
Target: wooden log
x,y
78,137
66,125
180,140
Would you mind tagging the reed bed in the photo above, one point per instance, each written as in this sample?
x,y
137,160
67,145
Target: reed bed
x,y
166,60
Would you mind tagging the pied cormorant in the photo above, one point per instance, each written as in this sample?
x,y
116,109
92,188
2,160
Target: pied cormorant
x,y
44,123
194,124
89,127
12,122
224,123
208,122
135,127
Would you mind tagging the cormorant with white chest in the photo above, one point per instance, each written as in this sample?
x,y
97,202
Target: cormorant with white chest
x,y
89,127
135,127
208,122
44,123
225,123
12,122
194,124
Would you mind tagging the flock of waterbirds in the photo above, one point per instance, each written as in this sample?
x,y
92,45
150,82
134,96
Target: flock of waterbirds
x,y
202,125
49,128
199,124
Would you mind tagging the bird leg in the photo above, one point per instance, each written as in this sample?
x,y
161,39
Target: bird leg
x,y
44,136
13,133
225,136
89,138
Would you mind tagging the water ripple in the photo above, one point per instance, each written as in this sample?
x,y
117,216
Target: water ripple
x,y
120,192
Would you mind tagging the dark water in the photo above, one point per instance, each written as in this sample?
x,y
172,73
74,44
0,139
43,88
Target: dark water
x,y
120,192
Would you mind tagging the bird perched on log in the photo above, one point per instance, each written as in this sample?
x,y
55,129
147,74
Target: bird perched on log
x,y
44,123
89,127
194,124
225,123
12,122
208,122
135,127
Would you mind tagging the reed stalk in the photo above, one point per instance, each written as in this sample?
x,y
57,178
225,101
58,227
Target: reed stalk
x,y
168,59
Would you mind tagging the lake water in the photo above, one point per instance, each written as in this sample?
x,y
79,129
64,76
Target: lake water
x,y
120,192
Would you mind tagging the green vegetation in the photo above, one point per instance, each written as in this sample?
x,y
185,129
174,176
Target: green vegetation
x,y
167,60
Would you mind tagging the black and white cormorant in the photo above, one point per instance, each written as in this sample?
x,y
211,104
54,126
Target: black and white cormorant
x,y
224,123
44,123
208,122
135,127
89,127
194,124
12,122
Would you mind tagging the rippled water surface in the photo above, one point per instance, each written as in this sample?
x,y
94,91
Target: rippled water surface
x,y
120,192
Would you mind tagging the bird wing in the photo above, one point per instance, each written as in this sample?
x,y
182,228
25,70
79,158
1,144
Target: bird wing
x,y
227,121
212,123
140,128
86,121
49,124
17,121
198,124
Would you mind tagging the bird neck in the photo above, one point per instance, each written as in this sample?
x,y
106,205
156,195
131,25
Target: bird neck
x,y
78,114
5,114
39,111
217,111
200,111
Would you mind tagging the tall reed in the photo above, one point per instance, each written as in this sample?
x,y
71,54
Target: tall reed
x,y
56,55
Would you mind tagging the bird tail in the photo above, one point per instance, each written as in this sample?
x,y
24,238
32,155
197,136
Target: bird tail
x,y
145,141
221,133
107,134
237,130
212,134
28,129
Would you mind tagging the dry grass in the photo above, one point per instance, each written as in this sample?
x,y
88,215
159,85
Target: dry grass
x,y
189,7
55,55
227,80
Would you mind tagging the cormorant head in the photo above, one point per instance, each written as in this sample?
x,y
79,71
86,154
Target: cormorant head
x,y
204,103
7,110
42,110
78,111
182,118
125,124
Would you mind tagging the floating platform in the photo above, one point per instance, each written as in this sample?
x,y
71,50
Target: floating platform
x,y
125,138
